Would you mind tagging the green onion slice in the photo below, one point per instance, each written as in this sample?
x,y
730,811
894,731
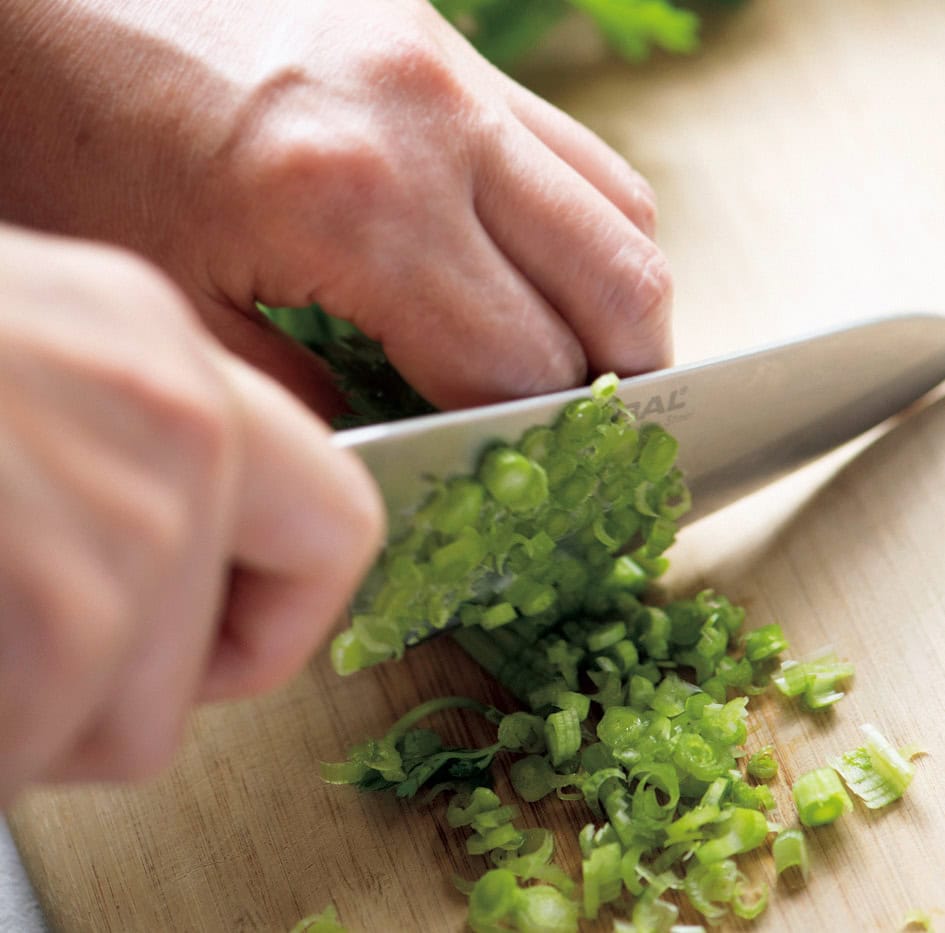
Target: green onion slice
x,y
790,851
820,797
876,772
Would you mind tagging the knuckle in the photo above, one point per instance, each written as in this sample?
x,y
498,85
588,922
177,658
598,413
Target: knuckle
x,y
644,212
190,413
200,425
646,308
562,366
415,70
654,290
634,298
327,190
79,618
158,521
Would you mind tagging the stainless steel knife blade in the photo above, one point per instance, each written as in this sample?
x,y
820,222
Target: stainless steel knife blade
x,y
742,420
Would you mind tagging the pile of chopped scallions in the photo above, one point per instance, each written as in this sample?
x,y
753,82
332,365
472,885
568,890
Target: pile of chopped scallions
x,y
635,711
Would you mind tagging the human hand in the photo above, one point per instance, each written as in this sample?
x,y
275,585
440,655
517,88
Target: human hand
x,y
174,526
361,155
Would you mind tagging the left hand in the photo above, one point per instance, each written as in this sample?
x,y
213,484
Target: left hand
x,y
358,154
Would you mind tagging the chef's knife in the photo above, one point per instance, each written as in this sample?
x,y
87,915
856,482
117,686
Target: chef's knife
x,y
742,420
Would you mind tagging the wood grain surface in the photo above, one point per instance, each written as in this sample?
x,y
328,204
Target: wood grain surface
x,y
800,166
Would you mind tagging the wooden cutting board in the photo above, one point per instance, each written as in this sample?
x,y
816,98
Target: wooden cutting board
x,y
799,163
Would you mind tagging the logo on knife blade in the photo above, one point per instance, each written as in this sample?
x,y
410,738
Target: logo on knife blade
x,y
660,404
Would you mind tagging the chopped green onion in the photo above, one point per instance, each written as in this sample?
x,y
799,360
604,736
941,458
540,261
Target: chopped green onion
x,y
578,702
620,727
917,919
604,387
765,642
545,556
524,731
792,679
606,635
544,909
461,812
627,574
876,772
603,881
815,680
741,831
820,797
689,827
513,480
532,861
458,506
749,902
324,922
492,898
762,764
534,778
497,615
505,836
790,851
652,913
658,453
563,735
697,757
753,796
710,888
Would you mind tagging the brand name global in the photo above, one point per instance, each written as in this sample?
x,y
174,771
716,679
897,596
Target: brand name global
x,y
661,404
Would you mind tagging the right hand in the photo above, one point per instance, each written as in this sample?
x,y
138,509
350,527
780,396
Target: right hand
x,y
174,527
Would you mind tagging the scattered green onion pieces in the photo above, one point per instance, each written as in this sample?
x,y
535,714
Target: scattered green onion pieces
x,y
543,908
563,735
324,922
790,851
710,888
918,920
876,772
817,680
765,643
533,778
492,898
570,525
820,797
762,764
522,731
496,901
741,831
603,881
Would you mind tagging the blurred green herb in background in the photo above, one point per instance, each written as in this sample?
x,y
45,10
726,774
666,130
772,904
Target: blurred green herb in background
x,y
504,30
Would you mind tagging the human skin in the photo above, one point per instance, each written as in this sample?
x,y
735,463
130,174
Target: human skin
x,y
360,155
356,154
174,525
